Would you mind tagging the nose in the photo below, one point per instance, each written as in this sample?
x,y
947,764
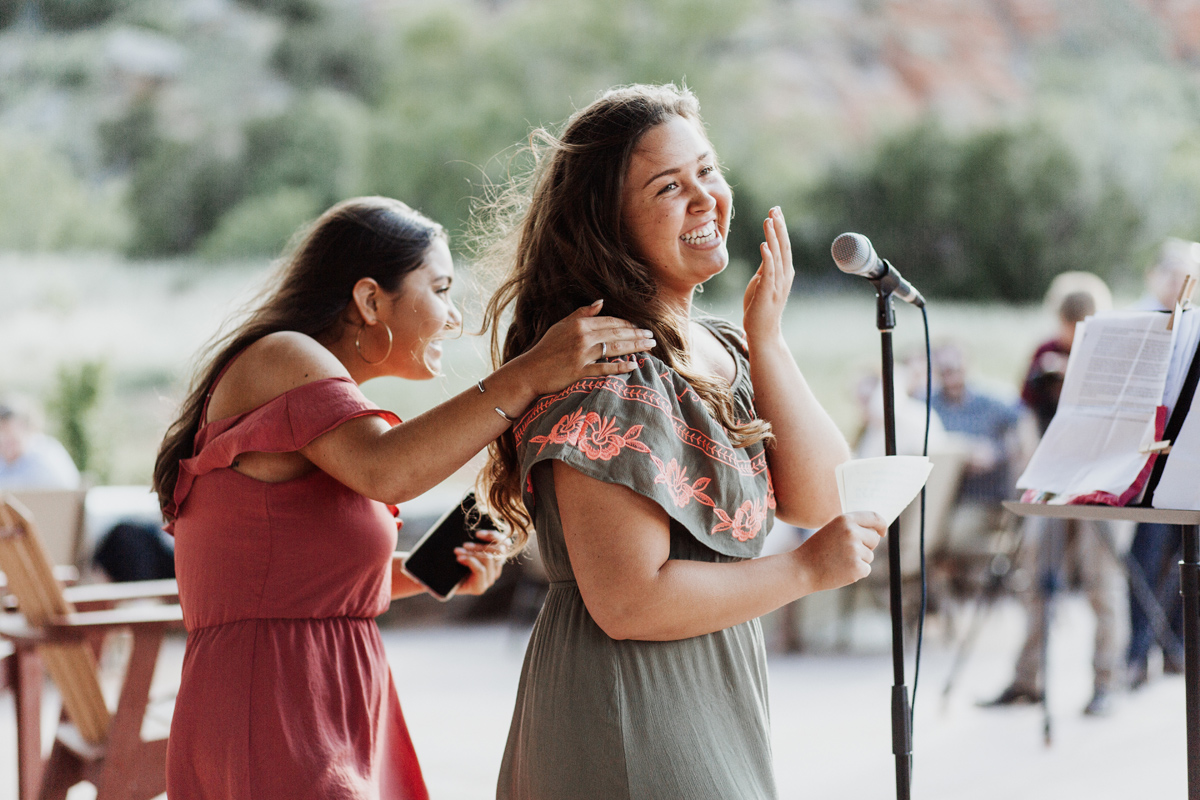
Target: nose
x,y
455,321
702,200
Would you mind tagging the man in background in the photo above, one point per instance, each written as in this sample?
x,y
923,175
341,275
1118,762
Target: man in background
x,y
1051,546
30,459
987,426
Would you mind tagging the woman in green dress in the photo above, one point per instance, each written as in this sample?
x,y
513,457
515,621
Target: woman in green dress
x,y
651,492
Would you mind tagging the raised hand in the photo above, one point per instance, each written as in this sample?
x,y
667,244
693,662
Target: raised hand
x,y
767,293
573,348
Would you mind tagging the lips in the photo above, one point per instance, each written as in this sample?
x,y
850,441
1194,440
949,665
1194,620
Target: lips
x,y
705,234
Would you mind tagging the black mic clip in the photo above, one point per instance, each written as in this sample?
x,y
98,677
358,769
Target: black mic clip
x,y
891,282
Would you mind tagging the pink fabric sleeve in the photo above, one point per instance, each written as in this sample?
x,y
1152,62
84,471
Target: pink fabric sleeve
x,y
281,425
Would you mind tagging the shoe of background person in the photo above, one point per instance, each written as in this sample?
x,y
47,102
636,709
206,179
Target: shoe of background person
x,y
1136,675
1013,696
1100,705
1172,665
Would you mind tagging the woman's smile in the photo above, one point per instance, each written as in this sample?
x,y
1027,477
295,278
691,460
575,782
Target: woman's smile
x,y
703,237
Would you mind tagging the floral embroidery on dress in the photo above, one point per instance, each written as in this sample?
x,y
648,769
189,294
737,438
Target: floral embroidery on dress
x,y
655,390
675,478
746,523
596,437
600,439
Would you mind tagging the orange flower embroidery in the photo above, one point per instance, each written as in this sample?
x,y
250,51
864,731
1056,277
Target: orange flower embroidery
x,y
675,478
565,431
746,523
597,437
600,440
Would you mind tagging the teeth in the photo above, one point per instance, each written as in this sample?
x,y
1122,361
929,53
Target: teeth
x,y
701,235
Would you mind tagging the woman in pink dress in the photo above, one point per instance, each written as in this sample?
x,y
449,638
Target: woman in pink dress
x,y
279,481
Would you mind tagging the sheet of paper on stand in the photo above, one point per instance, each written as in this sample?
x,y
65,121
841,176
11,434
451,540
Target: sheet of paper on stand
x,y
885,485
1096,448
1187,338
1179,484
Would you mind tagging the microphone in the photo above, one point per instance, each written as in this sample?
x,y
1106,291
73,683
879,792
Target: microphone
x,y
854,255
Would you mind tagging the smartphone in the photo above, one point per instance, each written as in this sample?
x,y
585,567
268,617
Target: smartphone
x,y
432,561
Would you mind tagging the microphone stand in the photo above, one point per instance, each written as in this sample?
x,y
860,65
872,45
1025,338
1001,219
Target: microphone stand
x,y
885,320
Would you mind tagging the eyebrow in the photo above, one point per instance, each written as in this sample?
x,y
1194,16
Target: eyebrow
x,y
673,170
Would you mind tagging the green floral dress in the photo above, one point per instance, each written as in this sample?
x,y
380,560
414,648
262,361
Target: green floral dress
x,y
606,719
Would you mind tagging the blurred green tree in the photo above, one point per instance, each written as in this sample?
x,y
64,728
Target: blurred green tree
x,y
178,193
261,225
127,139
339,51
77,392
319,144
296,11
989,216
46,206
73,14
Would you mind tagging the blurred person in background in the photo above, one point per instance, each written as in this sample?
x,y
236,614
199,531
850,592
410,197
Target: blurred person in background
x,y
280,482
32,460
909,397
651,493
29,458
1156,548
1051,547
987,426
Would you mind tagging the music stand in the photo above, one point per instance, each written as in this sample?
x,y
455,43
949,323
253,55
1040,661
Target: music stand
x,y
1188,523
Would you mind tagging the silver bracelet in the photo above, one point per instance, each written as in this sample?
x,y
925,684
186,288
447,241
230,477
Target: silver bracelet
x,y
497,409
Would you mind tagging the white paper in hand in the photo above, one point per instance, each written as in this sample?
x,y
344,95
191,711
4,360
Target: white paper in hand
x,y
885,485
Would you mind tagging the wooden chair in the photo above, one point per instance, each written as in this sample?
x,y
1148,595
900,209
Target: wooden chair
x,y
60,629
59,514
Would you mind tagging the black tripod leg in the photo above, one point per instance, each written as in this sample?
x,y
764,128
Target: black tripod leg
x,y
999,566
1054,551
1145,596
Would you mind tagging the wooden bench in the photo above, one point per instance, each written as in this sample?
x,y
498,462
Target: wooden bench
x,y
60,629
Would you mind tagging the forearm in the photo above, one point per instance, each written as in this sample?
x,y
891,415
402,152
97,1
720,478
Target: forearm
x,y
691,598
808,445
633,589
417,455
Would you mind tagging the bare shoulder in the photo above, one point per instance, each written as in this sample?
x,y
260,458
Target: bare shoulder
x,y
275,364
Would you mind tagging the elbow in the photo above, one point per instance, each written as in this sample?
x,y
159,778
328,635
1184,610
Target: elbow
x,y
389,486
620,620
614,625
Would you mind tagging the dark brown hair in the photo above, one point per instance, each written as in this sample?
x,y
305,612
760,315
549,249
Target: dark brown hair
x,y
365,237
1076,307
557,236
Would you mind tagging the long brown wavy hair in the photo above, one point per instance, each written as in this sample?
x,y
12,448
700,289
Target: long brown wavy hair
x,y
364,237
556,235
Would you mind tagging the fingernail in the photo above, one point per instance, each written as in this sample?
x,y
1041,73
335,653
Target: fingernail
x,y
650,343
645,334
599,302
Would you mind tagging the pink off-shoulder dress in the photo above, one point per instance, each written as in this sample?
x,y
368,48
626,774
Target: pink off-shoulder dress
x,y
286,690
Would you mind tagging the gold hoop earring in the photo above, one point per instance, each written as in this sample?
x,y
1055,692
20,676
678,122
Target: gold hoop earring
x,y
358,344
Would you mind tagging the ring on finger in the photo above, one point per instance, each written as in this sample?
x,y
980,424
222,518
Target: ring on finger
x,y
603,349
